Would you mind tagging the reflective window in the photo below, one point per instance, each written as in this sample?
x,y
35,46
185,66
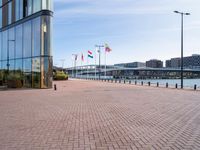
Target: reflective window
x,y
47,4
0,17
18,42
18,65
44,4
11,43
29,5
4,45
21,7
17,9
5,15
36,72
46,72
27,39
9,13
27,72
36,30
46,36
0,45
4,69
11,66
36,5
4,65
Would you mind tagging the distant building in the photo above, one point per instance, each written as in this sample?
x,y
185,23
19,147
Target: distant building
x,y
188,62
154,63
131,65
192,61
168,64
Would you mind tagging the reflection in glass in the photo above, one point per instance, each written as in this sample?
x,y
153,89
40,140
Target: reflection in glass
x,y
0,45
4,45
29,5
18,65
27,72
36,30
11,43
4,70
18,42
46,72
10,13
36,5
11,66
0,17
36,72
46,36
27,39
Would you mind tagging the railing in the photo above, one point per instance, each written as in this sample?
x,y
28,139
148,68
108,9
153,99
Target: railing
x,y
195,87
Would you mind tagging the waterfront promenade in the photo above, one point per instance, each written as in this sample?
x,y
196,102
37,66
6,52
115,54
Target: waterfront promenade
x,y
90,115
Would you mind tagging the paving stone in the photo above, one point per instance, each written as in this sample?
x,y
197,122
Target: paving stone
x,y
90,115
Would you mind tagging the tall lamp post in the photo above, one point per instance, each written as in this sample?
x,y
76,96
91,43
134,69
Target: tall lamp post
x,y
182,14
8,55
99,51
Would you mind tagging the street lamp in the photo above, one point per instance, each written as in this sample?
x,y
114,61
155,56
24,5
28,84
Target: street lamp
x,y
99,51
182,14
8,64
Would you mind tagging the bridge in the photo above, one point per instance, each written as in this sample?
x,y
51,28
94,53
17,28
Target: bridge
x,y
137,73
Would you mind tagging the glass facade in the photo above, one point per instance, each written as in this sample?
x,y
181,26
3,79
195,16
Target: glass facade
x,y
25,42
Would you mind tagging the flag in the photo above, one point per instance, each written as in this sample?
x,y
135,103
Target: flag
x,y
107,48
82,57
90,54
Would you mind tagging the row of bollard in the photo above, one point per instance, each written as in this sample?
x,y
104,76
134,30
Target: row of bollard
x,y
125,81
142,83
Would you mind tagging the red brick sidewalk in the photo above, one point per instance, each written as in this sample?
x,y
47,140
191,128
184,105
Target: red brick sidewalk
x,y
93,115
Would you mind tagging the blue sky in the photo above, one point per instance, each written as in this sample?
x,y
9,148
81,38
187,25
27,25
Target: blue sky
x,y
136,30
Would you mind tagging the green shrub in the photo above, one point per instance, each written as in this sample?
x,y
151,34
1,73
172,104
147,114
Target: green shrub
x,y
60,75
14,76
14,80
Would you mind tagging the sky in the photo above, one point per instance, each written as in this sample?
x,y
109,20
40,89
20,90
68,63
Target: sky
x,y
135,30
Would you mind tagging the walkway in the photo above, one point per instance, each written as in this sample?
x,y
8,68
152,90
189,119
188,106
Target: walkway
x,y
90,115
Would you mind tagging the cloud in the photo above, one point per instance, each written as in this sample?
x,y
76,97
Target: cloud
x,y
121,7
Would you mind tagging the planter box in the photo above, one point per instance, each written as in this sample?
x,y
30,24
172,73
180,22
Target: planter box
x,y
15,84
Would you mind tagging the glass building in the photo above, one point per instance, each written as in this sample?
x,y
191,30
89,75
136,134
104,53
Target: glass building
x,y
25,42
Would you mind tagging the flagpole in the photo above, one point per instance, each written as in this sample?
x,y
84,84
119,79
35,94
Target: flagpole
x,y
105,64
95,64
81,66
75,68
99,51
87,67
72,67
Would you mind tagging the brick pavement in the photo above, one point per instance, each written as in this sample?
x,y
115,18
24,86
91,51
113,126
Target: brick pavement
x,y
90,115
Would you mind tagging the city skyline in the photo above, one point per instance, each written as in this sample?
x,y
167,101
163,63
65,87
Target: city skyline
x,y
135,30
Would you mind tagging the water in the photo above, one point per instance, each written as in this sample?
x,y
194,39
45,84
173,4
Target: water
x,y
172,82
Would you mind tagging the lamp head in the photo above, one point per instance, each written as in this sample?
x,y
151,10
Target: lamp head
x,y
176,11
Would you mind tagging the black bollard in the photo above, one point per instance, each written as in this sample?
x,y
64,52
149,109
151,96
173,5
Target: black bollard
x,y
135,82
176,86
167,85
157,84
55,88
195,87
124,81
142,83
149,83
